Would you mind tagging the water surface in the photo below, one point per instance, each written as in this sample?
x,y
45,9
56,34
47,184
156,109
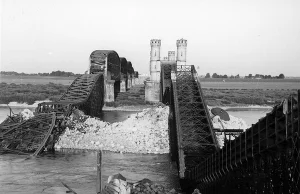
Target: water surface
x,y
250,116
77,168
108,116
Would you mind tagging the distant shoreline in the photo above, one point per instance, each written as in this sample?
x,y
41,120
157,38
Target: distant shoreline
x,y
141,107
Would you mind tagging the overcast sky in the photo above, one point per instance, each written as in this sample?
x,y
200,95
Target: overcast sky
x,y
224,36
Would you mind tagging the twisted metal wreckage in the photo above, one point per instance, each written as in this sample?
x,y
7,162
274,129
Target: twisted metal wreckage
x,y
86,93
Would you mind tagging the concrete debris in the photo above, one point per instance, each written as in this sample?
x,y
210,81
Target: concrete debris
x,y
118,185
26,114
144,132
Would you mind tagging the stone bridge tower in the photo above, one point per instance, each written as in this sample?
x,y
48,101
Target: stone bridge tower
x,y
181,51
171,56
155,60
152,86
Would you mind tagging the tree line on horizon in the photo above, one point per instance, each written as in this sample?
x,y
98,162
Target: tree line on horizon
x,y
250,76
53,73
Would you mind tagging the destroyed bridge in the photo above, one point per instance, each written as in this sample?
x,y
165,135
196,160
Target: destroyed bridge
x,y
263,159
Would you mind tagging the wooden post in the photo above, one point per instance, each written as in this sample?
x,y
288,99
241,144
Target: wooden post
x,y
99,173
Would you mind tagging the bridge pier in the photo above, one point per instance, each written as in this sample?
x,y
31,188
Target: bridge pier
x,y
152,91
133,81
137,81
123,86
129,84
109,91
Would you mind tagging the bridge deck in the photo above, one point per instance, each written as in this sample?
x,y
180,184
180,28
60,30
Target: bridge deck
x,y
264,159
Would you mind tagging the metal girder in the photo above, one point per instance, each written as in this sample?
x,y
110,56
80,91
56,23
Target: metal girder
x,y
195,136
264,159
30,136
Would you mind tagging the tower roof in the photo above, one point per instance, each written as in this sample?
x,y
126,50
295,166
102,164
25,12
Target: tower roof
x,y
181,42
155,42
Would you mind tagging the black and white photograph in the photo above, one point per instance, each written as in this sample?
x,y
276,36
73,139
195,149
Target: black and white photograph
x,y
150,97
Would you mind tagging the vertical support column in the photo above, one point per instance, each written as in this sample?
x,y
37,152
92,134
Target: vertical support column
x,y
136,81
123,86
152,91
129,84
109,91
132,80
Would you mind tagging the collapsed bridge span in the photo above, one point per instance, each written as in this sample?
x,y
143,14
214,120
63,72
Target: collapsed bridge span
x,y
263,159
87,93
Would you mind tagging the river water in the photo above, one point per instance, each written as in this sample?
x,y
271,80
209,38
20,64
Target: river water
x,y
77,168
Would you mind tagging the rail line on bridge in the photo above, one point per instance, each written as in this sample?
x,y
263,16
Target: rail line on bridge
x,y
263,159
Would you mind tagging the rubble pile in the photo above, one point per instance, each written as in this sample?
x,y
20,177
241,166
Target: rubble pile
x,y
144,132
117,184
26,114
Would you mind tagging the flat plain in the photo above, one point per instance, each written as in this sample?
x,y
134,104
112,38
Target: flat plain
x,y
265,84
36,79
230,92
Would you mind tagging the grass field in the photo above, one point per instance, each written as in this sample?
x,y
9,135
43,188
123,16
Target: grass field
x,y
248,80
29,93
36,79
233,92
274,84
237,97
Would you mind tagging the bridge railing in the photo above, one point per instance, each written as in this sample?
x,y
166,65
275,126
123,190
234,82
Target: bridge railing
x,y
197,80
264,159
194,132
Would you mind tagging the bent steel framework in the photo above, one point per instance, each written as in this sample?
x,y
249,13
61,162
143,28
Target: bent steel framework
x,y
107,62
263,159
191,133
85,93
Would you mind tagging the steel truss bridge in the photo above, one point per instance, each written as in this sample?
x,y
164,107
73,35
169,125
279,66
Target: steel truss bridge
x,y
86,93
263,159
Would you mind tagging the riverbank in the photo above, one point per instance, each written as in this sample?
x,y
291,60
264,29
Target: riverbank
x,y
127,108
243,108
29,93
245,97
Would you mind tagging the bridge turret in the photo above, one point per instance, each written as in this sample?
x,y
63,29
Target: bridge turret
x,y
181,51
155,60
171,56
155,49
